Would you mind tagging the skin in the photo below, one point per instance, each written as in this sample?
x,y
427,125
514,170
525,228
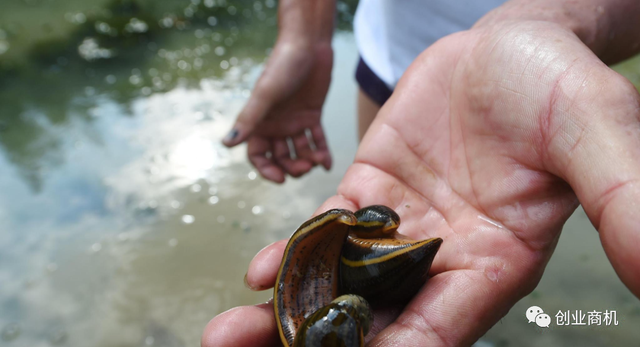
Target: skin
x,y
491,140
287,99
367,111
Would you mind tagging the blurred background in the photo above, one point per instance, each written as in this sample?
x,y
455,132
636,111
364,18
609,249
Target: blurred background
x,y
124,222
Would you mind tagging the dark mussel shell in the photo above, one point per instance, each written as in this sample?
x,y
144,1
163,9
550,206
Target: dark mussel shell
x,y
386,270
344,322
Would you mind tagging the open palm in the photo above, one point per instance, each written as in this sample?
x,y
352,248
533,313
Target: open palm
x,y
490,141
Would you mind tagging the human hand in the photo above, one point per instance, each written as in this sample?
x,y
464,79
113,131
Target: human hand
x,y
490,141
286,102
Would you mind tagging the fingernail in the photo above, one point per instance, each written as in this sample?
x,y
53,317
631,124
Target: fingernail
x,y
231,135
246,284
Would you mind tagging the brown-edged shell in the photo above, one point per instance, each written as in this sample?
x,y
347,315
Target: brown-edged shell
x,y
308,278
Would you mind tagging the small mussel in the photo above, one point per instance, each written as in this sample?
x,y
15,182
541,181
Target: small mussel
x,y
375,221
378,266
341,252
344,322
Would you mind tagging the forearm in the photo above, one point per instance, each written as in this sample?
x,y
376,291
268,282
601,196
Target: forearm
x,y
610,28
307,21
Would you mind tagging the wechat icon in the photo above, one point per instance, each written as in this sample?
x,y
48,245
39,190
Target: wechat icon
x,y
536,315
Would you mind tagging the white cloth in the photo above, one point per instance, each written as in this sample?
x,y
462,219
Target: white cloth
x,y
390,34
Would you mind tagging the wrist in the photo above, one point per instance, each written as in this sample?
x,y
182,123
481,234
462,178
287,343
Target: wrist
x,y
309,22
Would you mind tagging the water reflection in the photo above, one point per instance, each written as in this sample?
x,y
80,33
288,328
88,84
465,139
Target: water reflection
x,y
119,214
120,51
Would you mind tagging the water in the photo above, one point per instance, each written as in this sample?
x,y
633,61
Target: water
x,y
123,220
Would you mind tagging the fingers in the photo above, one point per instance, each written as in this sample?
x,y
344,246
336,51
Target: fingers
x,y
302,146
263,269
321,155
252,113
253,326
455,308
282,155
310,150
273,157
258,150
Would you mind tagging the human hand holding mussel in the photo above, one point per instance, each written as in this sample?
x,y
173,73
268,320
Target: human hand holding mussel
x,y
490,141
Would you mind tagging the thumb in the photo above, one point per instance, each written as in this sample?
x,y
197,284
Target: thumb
x,y
598,152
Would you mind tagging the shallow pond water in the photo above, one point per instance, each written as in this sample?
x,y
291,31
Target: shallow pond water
x,y
125,222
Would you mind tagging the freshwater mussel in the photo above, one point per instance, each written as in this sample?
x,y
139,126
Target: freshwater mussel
x,y
337,262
